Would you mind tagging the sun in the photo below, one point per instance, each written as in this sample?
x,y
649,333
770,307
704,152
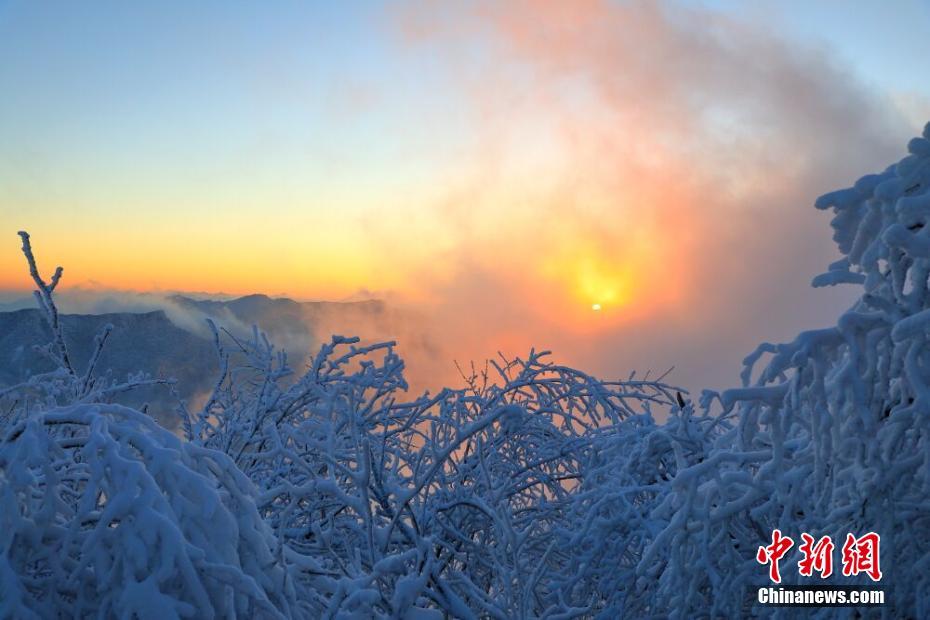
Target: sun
x,y
596,307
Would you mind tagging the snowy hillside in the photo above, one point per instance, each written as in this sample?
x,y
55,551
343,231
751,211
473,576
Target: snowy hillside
x,y
537,491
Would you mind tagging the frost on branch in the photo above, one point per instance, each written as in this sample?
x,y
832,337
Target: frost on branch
x,y
464,501
65,384
103,513
832,435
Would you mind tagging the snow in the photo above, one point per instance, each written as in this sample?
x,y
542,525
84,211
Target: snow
x,y
534,491
104,513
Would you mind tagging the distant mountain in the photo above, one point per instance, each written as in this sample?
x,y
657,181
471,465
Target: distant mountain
x,y
146,342
176,344
298,327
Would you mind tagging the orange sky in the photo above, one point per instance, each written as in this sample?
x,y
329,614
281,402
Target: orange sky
x,y
499,168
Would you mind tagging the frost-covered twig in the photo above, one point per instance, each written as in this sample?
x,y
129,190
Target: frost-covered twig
x,y
65,385
43,295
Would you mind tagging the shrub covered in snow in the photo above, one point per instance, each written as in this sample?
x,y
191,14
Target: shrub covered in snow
x,y
833,434
460,501
103,513
535,491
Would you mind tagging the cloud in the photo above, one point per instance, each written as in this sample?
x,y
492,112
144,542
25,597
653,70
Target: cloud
x,y
664,157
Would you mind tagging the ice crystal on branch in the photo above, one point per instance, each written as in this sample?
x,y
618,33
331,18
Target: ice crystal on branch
x,y
833,436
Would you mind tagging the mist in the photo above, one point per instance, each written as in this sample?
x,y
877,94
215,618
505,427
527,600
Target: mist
x,y
680,152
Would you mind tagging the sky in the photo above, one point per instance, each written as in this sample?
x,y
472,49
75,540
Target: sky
x,y
498,169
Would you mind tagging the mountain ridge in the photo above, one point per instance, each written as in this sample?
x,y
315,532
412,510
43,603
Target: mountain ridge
x,y
173,342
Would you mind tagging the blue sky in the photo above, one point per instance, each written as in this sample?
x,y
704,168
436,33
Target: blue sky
x,y
505,166
206,87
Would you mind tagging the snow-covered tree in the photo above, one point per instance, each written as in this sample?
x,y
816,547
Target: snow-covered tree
x,y
453,501
103,513
832,435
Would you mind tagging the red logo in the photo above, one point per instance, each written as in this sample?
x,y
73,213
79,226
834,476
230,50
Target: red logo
x,y
817,557
773,553
860,555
